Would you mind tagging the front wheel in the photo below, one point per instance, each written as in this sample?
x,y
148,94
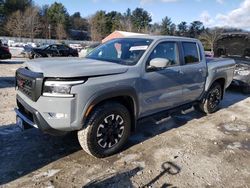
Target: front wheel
x,y
106,130
210,103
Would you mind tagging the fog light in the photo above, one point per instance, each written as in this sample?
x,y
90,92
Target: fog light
x,y
57,115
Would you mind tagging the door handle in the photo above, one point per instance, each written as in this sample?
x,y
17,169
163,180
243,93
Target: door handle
x,y
203,72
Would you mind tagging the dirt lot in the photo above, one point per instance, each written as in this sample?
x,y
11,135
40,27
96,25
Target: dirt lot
x,y
186,150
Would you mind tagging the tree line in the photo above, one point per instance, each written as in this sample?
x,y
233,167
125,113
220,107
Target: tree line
x,y
139,20
22,18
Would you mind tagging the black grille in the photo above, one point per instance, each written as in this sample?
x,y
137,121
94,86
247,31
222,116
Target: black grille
x,y
25,85
29,83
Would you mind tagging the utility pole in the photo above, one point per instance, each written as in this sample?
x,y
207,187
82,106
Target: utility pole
x,y
49,31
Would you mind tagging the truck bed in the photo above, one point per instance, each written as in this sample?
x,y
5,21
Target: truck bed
x,y
220,67
214,60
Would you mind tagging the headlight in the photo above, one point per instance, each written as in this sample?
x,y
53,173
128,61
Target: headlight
x,y
243,72
59,88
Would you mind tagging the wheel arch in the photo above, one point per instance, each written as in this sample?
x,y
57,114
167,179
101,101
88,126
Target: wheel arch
x,y
221,81
126,97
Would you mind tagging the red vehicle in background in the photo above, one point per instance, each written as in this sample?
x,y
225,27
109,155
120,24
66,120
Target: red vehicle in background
x,y
4,51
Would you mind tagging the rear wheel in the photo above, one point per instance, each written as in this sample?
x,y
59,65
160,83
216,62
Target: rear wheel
x,y
212,99
35,56
106,131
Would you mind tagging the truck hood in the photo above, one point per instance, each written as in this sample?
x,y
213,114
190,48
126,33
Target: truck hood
x,y
74,67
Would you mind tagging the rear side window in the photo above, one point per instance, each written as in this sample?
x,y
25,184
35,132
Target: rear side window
x,y
191,53
62,47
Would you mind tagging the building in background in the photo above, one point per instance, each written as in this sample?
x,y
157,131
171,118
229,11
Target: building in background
x,y
120,34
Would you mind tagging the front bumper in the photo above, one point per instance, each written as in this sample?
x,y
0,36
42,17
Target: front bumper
x,y
5,56
25,119
37,114
34,118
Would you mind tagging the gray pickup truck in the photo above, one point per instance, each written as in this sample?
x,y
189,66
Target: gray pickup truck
x,y
104,95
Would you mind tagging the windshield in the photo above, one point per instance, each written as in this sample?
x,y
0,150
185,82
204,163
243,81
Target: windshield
x,y
125,51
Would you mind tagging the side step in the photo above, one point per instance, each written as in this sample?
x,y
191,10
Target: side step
x,y
162,116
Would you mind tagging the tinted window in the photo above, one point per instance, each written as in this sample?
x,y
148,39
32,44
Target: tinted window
x,y
166,50
62,47
52,47
191,54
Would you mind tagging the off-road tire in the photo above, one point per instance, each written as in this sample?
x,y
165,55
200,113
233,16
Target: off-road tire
x,y
205,106
87,137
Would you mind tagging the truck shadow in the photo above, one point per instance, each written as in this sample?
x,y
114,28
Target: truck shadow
x,y
152,126
233,95
7,82
12,62
120,179
24,152
123,179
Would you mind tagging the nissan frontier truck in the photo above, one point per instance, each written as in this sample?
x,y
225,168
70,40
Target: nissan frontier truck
x,y
103,95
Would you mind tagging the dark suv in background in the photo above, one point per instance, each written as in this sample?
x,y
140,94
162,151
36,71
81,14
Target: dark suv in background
x,y
54,50
4,51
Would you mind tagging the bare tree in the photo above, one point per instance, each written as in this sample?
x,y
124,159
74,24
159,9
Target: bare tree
x,y
15,24
60,32
32,22
210,36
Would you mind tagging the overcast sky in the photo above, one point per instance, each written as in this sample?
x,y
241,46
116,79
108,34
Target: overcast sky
x,y
233,13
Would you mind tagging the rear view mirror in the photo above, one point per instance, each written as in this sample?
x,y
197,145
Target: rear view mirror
x,y
158,63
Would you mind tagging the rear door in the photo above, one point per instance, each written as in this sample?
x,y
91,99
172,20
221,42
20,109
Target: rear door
x,y
161,88
194,71
52,50
63,50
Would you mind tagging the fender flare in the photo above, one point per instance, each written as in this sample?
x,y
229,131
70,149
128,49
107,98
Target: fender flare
x,y
211,83
110,93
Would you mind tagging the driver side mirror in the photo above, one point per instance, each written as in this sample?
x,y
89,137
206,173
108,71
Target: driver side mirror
x,y
158,63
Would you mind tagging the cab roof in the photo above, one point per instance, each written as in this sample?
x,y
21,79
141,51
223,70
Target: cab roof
x,y
161,37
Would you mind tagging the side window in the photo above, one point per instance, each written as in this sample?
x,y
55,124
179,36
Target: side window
x,y
60,47
52,47
191,54
166,50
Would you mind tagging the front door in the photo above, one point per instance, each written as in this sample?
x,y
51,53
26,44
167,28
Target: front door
x,y
161,89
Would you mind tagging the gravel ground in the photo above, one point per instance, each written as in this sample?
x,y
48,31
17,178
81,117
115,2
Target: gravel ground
x,y
186,150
